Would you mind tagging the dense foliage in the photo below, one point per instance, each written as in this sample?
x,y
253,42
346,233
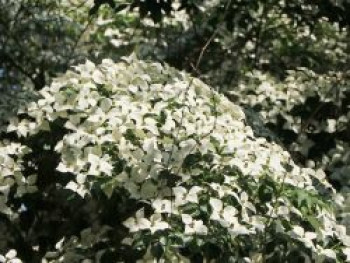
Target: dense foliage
x,y
128,160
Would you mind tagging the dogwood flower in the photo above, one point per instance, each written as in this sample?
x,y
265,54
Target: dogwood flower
x,y
193,226
137,223
162,206
99,165
306,237
10,257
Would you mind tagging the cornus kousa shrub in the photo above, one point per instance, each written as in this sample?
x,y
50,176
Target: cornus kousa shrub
x,y
310,114
142,163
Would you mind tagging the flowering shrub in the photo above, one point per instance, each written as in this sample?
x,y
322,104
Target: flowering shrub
x,y
309,114
174,165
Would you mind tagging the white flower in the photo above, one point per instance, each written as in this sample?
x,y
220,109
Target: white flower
x,y
80,189
217,206
153,154
244,201
193,226
87,98
98,117
98,77
275,163
306,237
227,215
137,223
183,196
10,257
157,223
99,165
162,206
151,125
169,125
238,229
331,125
22,128
187,146
192,195
329,253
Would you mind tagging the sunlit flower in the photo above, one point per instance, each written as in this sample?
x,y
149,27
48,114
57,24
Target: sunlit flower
x,y
193,226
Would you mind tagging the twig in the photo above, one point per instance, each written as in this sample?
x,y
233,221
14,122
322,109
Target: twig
x,y
211,38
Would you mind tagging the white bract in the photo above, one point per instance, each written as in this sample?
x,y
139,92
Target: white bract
x,y
10,257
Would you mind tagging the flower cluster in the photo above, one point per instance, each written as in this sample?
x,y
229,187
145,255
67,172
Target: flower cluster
x,y
10,257
13,184
204,186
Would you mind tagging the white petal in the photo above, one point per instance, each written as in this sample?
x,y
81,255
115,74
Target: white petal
x,y
216,204
199,227
329,253
298,231
229,214
186,219
144,223
11,254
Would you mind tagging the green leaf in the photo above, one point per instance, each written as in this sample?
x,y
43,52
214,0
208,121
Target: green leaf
x,y
314,222
108,189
